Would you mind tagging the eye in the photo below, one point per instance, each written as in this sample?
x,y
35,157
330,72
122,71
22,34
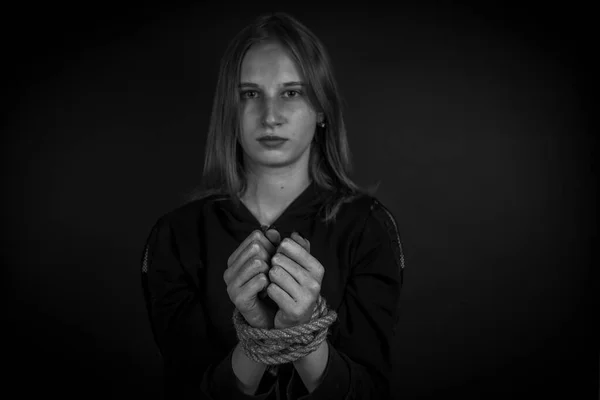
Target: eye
x,y
249,94
292,93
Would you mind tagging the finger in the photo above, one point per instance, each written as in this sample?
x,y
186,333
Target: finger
x,y
298,254
285,281
301,241
273,236
256,235
252,268
253,250
251,288
299,274
281,298
233,256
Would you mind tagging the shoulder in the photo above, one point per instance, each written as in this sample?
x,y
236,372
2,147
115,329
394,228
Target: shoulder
x,y
192,210
378,225
368,208
379,216
187,215
368,215
382,216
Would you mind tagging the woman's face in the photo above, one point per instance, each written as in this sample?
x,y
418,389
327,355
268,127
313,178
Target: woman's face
x,y
274,102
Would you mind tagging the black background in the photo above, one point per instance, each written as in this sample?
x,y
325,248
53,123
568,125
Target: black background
x,y
476,120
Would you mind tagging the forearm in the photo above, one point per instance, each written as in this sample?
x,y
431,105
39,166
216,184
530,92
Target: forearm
x,y
248,372
311,367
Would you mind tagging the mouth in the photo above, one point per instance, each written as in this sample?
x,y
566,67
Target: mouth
x,y
269,138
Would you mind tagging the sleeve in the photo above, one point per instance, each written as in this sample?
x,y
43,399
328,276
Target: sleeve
x,y
360,364
193,368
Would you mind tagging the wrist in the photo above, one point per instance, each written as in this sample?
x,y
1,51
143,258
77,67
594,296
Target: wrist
x,y
248,372
321,353
311,368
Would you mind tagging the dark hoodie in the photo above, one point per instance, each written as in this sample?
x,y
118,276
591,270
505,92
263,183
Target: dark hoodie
x,y
191,313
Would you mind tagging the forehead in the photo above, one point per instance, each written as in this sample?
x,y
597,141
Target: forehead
x,y
268,63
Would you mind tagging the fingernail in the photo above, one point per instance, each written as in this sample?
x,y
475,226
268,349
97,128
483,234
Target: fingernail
x,y
299,236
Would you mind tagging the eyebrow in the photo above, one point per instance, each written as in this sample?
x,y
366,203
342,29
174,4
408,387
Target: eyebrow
x,y
285,84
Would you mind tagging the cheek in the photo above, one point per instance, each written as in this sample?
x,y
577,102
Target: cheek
x,y
249,112
304,121
249,120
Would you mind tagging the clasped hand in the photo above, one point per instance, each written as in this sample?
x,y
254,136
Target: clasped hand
x,y
263,265
295,286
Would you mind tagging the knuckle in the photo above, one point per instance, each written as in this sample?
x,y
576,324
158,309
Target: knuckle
x,y
255,247
263,253
256,235
264,267
276,259
257,264
254,262
251,265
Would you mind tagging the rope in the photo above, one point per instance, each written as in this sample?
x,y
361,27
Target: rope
x,y
279,346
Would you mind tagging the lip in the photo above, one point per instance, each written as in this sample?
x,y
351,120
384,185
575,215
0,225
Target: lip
x,y
270,138
272,143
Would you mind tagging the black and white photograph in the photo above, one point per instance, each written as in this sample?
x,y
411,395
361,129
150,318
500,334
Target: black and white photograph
x,y
288,200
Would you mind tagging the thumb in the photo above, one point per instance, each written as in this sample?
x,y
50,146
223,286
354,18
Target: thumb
x,y
273,236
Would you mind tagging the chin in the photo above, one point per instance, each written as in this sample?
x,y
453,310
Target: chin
x,y
276,158
276,162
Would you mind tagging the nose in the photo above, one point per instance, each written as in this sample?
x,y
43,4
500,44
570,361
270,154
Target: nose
x,y
271,116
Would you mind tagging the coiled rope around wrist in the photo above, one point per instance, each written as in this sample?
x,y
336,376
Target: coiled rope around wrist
x,y
279,346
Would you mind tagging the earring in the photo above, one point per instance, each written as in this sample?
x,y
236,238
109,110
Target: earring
x,y
322,124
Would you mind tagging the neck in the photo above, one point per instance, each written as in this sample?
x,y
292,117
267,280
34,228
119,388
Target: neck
x,y
270,190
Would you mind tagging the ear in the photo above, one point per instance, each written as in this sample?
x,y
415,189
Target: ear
x,y
320,117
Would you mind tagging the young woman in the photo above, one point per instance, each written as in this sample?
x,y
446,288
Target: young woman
x,y
278,238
